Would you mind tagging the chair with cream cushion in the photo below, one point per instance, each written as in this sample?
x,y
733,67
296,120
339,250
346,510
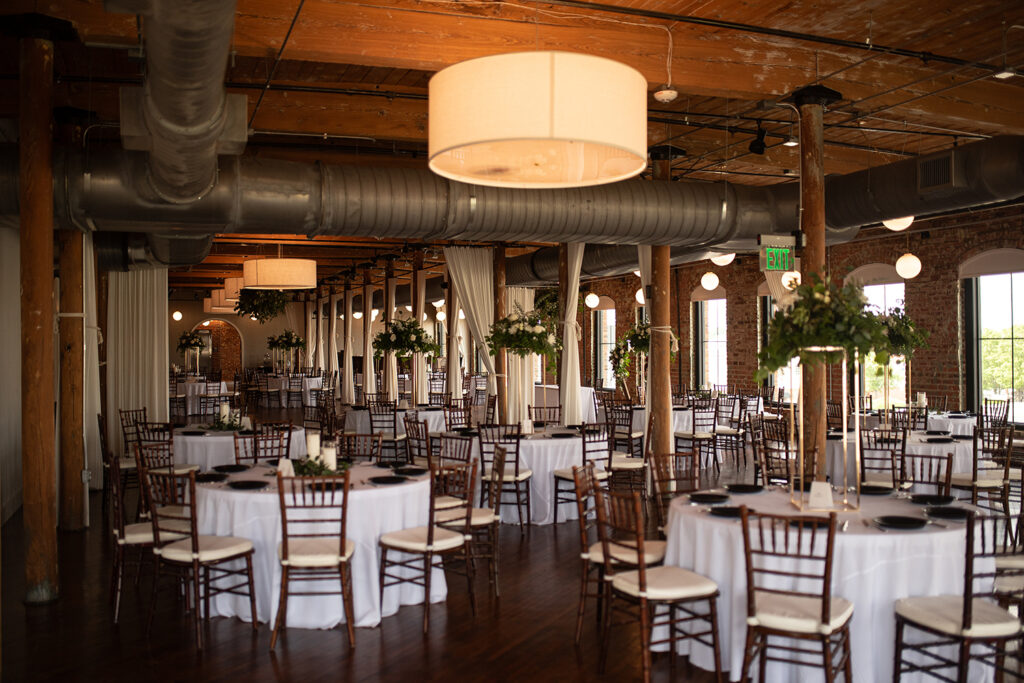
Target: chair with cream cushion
x,y
625,435
252,448
314,545
926,473
976,621
197,560
596,447
989,479
418,439
384,421
662,597
407,556
789,594
730,432
881,451
674,474
516,478
360,447
701,437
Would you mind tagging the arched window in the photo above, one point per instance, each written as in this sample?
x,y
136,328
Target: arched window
x,y
710,367
994,308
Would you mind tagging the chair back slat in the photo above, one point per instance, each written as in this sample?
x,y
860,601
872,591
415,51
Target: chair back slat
x,y
360,446
674,474
313,508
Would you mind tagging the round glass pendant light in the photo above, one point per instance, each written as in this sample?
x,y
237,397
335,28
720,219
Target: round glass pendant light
x,y
441,316
897,224
437,304
591,300
639,296
176,315
279,273
908,266
538,119
356,315
709,281
723,259
791,279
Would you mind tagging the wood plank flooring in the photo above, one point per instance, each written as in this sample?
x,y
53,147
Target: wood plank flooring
x,y
527,635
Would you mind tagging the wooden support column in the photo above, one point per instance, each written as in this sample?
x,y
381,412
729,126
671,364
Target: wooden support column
x,y
659,391
72,379
811,102
367,325
500,355
39,493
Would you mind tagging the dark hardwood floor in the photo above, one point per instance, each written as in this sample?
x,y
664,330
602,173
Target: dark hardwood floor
x,y
527,635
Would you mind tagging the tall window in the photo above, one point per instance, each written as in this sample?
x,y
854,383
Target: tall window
x,y
1000,307
884,297
788,378
710,368
604,342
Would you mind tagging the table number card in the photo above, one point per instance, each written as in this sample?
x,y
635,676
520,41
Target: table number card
x,y
821,496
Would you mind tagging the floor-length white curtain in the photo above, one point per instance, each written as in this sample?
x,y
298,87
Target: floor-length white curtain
x,y
332,313
454,371
91,381
348,390
520,369
390,361
136,347
321,334
421,385
472,270
643,252
572,412
309,309
369,377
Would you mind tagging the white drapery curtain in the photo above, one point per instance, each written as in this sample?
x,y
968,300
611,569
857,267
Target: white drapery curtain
x,y
310,353
390,361
520,369
454,371
321,334
348,390
571,409
332,311
369,377
643,252
421,386
91,383
472,270
137,354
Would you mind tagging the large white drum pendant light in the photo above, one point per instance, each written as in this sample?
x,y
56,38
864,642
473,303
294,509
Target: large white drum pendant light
x,y
279,273
538,120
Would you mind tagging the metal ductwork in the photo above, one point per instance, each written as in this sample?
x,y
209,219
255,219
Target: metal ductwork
x,y
182,115
137,251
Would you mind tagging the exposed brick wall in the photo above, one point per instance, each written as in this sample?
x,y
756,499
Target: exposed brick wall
x,y
933,298
227,349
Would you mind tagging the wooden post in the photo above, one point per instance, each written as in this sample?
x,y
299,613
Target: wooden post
x,y
367,325
659,391
500,355
37,410
72,379
390,360
811,102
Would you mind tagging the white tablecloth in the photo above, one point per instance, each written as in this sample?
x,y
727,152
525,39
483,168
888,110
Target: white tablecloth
x,y
218,448
682,420
917,442
372,512
956,425
547,395
358,421
870,568
192,392
280,384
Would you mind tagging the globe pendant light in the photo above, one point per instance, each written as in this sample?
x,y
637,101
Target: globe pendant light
x,y
723,259
908,266
591,300
538,120
709,281
897,224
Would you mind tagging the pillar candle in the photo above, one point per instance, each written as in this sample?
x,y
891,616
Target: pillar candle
x,y
313,446
329,456
225,410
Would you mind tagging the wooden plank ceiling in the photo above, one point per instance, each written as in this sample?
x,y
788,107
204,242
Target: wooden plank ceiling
x,y
346,82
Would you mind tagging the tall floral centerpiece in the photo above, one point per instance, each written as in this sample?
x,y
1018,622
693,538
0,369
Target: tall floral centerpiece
x,y
630,353
825,323
905,338
405,337
523,334
190,344
282,347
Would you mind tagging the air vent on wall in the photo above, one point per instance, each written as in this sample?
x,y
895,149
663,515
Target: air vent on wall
x,y
938,173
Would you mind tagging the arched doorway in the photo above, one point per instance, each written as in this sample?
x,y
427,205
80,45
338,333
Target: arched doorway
x,y
222,350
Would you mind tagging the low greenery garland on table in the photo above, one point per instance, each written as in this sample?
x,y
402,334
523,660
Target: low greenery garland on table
x,y
232,424
190,340
823,314
262,304
314,468
404,338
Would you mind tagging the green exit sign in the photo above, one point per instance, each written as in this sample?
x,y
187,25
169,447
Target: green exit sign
x,y
777,258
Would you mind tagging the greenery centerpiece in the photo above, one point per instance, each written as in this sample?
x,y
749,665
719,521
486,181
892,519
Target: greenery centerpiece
x,y
632,346
523,334
404,337
904,338
308,467
190,343
232,423
283,345
261,304
823,314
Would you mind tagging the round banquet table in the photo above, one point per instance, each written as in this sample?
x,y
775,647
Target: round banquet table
x,y
218,448
193,390
957,424
372,511
917,443
547,395
280,385
870,568
358,421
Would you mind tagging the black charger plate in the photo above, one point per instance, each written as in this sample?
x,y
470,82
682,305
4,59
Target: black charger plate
x,y
709,498
248,484
725,511
900,522
931,499
210,478
744,488
230,468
